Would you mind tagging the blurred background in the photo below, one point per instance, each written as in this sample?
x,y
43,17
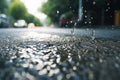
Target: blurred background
x,y
59,13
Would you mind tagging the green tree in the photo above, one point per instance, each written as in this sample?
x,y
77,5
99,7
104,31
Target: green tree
x,y
55,8
37,21
32,19
3,6
17,10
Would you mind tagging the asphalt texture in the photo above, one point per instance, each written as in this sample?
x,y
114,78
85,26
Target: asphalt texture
x,y
32,55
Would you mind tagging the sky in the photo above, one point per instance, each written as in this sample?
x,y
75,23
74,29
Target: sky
x,y
33,6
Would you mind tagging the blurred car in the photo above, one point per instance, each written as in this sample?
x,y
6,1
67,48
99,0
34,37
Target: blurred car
x,y
31,25
20,24
4,23
63,21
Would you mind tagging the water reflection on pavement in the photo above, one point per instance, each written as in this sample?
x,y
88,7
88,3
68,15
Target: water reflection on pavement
x,y
59,58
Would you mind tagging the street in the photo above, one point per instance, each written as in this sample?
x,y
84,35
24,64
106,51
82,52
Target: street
x,y
59,54
89,32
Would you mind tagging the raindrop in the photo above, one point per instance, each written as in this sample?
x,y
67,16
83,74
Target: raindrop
x,y
68,76
60,76
116,65
78,20
94,2
58,12
40,53
100,60
51,73
64,69
43,71
48,68
85,16
91,65
56,71
85,22
74,68
91,17
71,21
117,58
25,65
106,10
75,24
89,22
108,3
58,60
69,56
90,75
108,7
85,11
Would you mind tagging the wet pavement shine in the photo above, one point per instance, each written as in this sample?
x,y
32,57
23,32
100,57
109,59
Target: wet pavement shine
x,y
30,55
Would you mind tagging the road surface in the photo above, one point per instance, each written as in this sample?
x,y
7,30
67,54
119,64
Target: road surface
x,y
98,33
59,54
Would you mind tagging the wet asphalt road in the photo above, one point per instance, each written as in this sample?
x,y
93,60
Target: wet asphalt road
x,y
32,54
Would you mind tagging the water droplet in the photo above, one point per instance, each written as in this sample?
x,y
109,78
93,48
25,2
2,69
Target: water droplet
x,y
58,12
90,75
106,10
71,21
74,68
100,60
48,68
64,69
85,22
75,24
94,2
108,3
85,11
91,17
43,71
78,20
68,76
69,56
58,60
85,16
91,65
108,7
117,65
56,71
89,22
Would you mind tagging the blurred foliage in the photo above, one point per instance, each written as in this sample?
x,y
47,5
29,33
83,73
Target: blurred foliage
x,y
48,21
37,22
69,15
55,8
100,2
32,19
3,6
18,10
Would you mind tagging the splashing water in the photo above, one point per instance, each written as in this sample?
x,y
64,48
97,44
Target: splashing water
x,y
73,30
93,34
